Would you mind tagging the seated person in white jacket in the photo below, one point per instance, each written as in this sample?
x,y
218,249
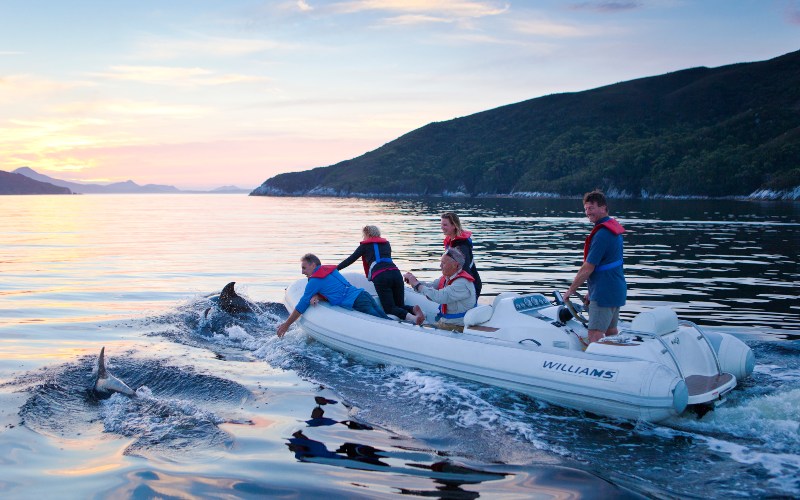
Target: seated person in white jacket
x,y
454,291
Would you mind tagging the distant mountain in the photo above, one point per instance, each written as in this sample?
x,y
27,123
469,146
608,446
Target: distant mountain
x,y
229,189
117,187
726,131
12,183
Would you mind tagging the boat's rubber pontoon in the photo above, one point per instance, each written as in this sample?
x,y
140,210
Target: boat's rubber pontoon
x,y
652,370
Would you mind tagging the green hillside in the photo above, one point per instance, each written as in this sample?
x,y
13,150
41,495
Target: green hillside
x,y
725,131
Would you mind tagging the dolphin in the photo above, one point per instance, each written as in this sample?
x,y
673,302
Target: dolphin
x,y
105,384
231,303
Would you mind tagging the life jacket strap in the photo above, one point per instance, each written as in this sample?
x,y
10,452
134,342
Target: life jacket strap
x,y
445,315
611,265
378,258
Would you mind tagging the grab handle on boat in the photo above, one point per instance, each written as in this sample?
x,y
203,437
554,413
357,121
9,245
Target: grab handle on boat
x,y
671,354
708,342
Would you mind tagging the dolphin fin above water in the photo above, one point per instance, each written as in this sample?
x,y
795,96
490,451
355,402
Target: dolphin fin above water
x,y
231,302
106,383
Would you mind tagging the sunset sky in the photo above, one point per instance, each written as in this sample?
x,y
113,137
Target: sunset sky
x,y
200,94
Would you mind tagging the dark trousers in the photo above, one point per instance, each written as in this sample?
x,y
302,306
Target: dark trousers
x,y
366,304
391,293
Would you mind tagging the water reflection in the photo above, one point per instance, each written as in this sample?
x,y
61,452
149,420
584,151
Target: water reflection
x,y
318,418
448,476
718,262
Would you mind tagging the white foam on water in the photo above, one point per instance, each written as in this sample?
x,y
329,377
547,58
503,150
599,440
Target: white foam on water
x,y
777,372
465,407
764,431
783,468
148,415
773,419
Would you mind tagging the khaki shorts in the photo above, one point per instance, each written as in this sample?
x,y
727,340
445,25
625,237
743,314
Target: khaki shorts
x,y
602,318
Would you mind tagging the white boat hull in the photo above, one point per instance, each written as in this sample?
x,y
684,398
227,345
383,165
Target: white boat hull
x,y
514,357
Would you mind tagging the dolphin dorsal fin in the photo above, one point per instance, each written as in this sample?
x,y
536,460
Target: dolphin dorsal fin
x,y
101,364
228,292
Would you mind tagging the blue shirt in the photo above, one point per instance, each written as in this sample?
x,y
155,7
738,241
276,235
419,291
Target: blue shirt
x,y
606,288
334,287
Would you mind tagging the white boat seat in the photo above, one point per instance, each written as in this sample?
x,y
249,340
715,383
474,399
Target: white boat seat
x,y
502,296
658,321
478,314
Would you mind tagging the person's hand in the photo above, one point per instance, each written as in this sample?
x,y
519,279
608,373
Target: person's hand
x,y
411,279
282,330
314,300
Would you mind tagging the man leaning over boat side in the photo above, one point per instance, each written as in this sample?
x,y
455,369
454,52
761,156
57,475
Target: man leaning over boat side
x,y
328,283
454,291
602,268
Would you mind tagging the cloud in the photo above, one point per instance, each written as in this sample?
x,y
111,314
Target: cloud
x,y
15,88
413,19
132,108
10,53
176,76
140,108
33,142
157,47
444,8
479,38
546,28
607,6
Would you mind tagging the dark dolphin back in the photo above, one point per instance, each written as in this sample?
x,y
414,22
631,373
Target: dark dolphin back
x,y
231,303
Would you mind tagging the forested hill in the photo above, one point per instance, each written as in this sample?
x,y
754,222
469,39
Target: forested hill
x,y
11,183
725,131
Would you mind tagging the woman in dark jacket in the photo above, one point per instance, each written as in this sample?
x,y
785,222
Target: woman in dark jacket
x,y
456,237
376,256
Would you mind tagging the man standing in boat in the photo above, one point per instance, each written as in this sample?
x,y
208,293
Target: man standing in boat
x,y
602,268
454,291
328,283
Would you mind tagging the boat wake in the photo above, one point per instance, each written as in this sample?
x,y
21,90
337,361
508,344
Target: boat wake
x,y
754,435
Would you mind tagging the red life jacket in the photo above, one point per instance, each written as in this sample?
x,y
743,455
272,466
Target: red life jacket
x,y
462,274
323,272
364,257
611,224
465,235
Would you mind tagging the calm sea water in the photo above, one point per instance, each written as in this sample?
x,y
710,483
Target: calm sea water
x,y
228,410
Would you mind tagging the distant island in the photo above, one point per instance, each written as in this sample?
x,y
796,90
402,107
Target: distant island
x,y
8,185
11,183
731,131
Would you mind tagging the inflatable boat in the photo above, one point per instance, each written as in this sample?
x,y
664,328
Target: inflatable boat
x,y
656,368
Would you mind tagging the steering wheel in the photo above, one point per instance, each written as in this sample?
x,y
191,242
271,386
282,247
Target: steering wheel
x,y
574,311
